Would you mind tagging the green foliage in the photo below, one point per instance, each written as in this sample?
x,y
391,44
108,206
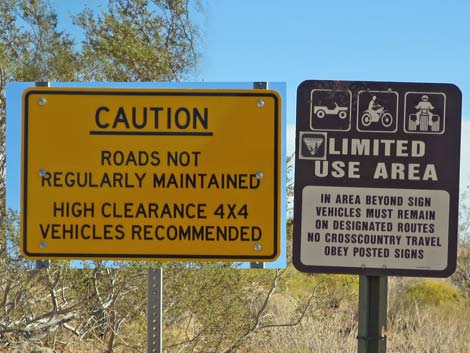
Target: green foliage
x,y
300,284
133,40
159,41
33,49
12,233
432,292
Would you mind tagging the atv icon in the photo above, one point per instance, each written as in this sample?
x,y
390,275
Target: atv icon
x,y
321,111
424,117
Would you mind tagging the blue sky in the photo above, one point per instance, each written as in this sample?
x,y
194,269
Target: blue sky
x,y
278,40
293,41
296,40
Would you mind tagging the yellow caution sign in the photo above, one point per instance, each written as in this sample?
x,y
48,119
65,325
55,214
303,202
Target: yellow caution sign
x,y
151,174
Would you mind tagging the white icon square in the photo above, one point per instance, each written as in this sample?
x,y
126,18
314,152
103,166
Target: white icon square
x,y
377,111
312,145
424,112
330,109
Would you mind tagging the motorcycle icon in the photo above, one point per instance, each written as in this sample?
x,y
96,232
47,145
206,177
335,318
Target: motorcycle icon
x,y
372,116
321,111
377,111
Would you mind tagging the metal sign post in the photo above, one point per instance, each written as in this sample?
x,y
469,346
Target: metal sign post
x,y
258,85
372,314
40,264
154,310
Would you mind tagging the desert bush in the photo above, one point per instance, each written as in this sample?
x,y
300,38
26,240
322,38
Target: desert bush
x,y
336,287
432,292
461,277
324,329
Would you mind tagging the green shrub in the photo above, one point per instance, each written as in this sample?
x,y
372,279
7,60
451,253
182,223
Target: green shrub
x,y
432,292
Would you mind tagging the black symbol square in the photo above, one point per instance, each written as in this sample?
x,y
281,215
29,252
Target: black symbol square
x,y
330,109
425,112
312,145
377,111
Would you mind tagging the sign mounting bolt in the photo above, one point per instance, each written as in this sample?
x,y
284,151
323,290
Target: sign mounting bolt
x,y
42,172
43,245
259,175
42,101
260,103
257,247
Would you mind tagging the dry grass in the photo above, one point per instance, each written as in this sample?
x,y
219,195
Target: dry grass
x,y
412,328
329,325
430,330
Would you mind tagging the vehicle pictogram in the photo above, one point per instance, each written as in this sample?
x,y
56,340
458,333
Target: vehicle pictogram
x,y
321,111
424,112
330,109
377,111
